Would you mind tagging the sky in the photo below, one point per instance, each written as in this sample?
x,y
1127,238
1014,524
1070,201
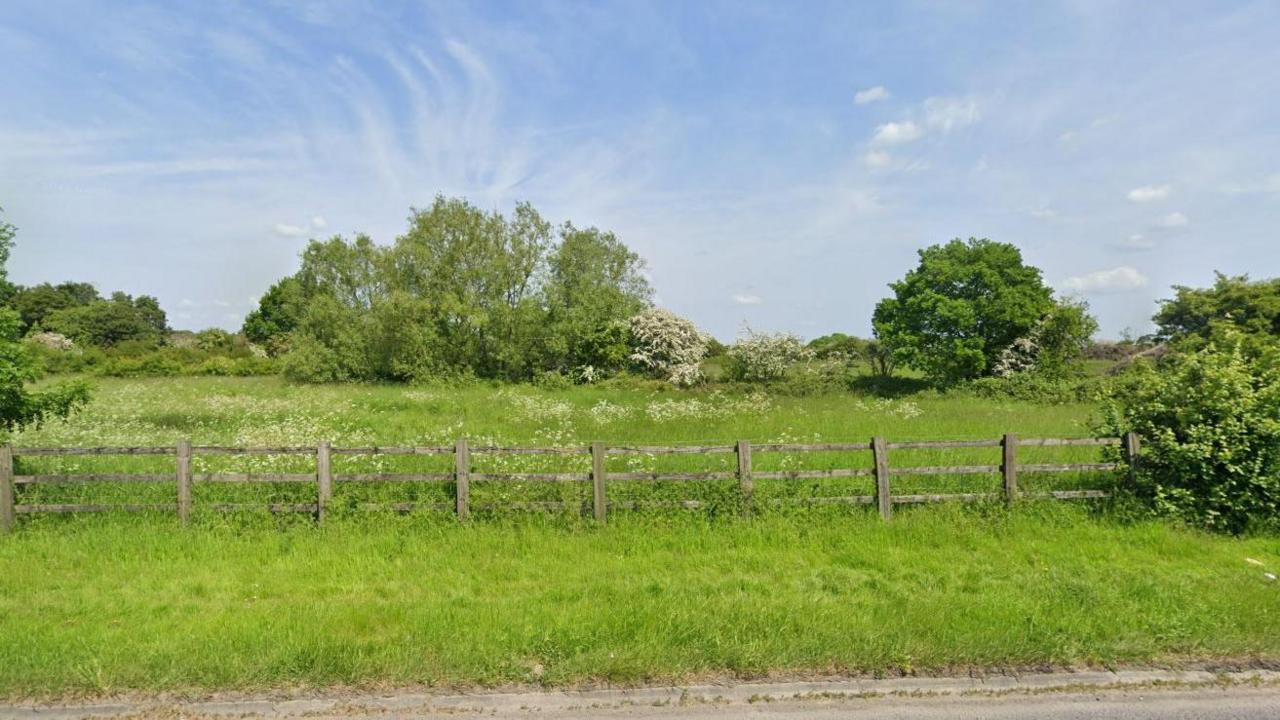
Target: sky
x,y
777,164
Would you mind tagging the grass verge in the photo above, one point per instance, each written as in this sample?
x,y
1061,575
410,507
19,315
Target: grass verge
x,y
109,604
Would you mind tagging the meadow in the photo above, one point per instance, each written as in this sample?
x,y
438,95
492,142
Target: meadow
x,y
102,604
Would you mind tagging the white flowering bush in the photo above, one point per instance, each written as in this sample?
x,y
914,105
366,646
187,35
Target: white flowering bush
x,y
668,346
764,357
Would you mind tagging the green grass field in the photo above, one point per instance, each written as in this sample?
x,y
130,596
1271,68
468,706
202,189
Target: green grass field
x,y
98,604
104,605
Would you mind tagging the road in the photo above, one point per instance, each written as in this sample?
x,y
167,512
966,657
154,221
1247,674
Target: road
x,y
1072,696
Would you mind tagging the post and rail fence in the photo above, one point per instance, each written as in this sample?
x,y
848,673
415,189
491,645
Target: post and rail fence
x,y
463,477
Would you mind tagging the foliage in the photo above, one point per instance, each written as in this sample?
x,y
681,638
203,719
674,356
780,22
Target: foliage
x,y
881,357
764,357
462,292
838,344
1235,309
109,322
966,302
1034,387
1210,427
1054,347
278,314
667,346
38,302
19,405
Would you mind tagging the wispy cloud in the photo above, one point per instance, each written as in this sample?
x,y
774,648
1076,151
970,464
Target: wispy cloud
x,y
897,133
1149,193
289,231
870,95
747,299
1173,220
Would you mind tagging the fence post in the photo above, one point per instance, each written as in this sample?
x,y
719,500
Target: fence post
x,y
745,481
1132,447
6,488
1009,466
184,481
324,479
598,498
461,478
881,452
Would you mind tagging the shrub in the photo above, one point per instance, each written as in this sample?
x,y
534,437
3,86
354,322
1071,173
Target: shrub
x,y
765,357
1210,427
667,346
1034,387
311,361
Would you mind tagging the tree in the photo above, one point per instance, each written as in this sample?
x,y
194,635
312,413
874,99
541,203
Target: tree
x,y
765,357
965,302
837,345
1194,316
110,322
19,405
593,285
278,313
36,303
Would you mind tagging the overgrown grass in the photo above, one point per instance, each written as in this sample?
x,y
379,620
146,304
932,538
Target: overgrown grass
x,y
101,604
106,605
270,412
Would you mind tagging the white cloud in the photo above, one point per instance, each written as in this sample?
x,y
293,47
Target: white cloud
x,y
319,223
946,114
1044,213
878,159
1149,193
747,299
287,230
870,95
1173,220
1137,241
896,133
1119,279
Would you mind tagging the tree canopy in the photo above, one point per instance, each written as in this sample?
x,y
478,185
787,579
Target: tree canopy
x,y
964,304
461,291
19,405
1249,308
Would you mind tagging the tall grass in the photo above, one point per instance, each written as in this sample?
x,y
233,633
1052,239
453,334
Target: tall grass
x,y
267,411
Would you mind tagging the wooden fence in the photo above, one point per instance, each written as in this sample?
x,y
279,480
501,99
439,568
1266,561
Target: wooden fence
x,y
462,476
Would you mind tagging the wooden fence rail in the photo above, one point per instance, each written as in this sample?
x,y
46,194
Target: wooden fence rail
x,y
599,505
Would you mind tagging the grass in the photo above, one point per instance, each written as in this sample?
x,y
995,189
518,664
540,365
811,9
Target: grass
x,y
270,412
250,601
103,606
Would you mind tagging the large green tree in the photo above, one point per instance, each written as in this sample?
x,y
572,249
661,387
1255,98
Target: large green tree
x,y
1249,310
961,307
463,291
19,405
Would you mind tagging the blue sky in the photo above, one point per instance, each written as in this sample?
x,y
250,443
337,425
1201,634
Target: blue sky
x,y
776,163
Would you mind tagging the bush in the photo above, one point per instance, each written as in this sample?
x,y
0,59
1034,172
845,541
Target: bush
x,y
668,346
1034,387
1210,428
311,361
150,365
817,377
765,357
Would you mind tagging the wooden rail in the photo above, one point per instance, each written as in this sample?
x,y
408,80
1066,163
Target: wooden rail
x,y
599,504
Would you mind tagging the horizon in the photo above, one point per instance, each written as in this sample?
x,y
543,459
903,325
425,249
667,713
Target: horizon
x,y
774,169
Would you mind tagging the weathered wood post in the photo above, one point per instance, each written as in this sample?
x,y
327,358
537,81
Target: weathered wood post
x,y
184,481
598,498
745,481
6,488
1132,447
461,478
1009,466
324,479
880,451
